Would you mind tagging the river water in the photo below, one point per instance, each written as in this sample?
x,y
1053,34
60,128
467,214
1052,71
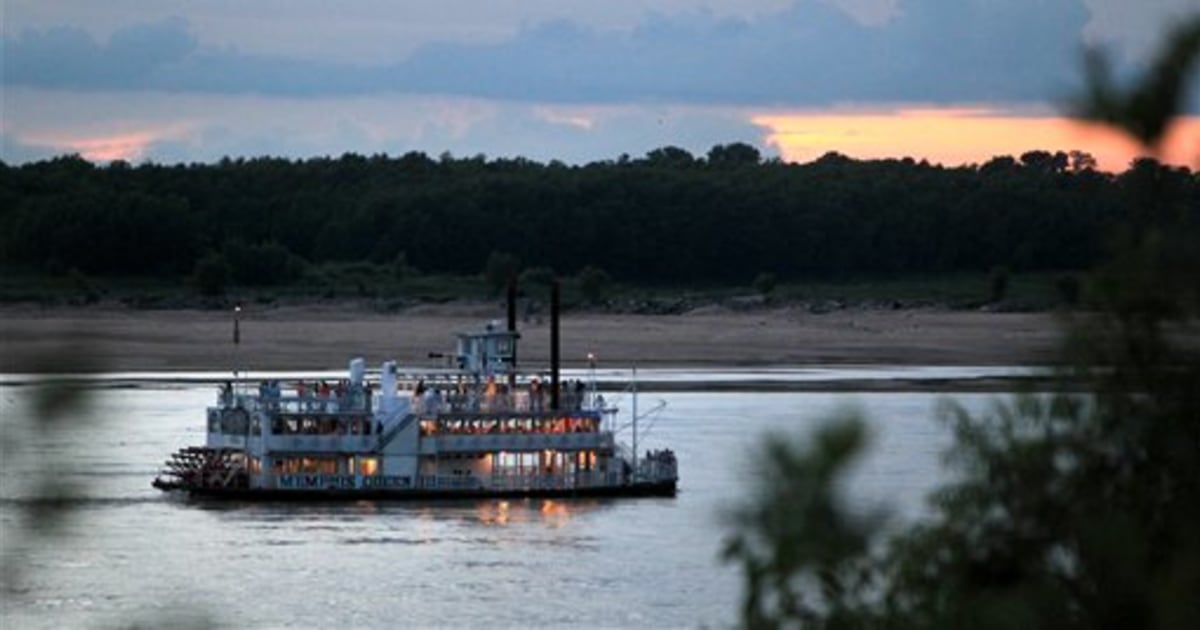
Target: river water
x,y
129,554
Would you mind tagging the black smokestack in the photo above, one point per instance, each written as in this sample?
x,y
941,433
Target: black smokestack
x,y
554,360
512,328
512,302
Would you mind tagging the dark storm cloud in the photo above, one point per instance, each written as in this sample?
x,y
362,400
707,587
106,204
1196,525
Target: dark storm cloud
x,y
811,54
67,57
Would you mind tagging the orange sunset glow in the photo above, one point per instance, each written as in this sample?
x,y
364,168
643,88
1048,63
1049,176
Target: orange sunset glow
x,y
106,148
961,136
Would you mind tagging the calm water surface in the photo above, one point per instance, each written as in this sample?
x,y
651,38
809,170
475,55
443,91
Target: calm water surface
x,y
132,554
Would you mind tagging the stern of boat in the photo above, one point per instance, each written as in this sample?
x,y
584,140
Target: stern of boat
x,y
203,468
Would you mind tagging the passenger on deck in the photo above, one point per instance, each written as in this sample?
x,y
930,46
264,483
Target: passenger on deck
x,y
433,401
535,395
579,388
489,395
418,397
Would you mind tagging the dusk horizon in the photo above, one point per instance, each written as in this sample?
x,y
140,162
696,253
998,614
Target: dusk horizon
x,y
571,82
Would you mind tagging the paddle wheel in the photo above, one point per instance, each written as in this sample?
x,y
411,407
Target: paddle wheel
x,y
204,468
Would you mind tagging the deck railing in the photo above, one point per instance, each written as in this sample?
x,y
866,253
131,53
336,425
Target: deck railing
x,y
451,402
475,402
588,479
490,442
351,402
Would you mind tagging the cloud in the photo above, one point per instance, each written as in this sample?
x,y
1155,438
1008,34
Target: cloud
x,y
361,31
134,57
812,53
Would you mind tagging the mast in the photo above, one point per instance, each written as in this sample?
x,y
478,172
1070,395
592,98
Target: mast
x,y
635,421
592,385
237,341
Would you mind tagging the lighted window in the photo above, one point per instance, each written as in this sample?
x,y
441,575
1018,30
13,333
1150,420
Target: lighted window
x,y
368,465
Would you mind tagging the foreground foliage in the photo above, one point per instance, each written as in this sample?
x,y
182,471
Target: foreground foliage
x,y
1069,510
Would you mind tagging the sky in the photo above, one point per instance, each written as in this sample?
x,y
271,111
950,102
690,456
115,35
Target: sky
x,y
950,81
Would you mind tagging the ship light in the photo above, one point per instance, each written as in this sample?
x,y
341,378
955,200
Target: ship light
x,y
368,466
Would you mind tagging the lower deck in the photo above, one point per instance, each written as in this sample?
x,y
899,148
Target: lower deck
x,y
631,490
501,469
544,473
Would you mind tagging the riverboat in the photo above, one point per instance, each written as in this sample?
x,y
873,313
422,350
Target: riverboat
x,y
478,428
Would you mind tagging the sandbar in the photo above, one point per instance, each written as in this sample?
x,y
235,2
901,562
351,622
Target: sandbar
x,y
324,336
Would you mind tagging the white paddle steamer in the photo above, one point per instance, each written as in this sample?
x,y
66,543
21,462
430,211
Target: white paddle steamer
x,y
478,429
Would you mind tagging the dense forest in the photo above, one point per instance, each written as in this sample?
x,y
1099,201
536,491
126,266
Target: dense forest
x,y
667,217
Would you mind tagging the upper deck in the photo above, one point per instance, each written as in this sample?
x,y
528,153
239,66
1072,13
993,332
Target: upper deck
x,y
453,414
481,403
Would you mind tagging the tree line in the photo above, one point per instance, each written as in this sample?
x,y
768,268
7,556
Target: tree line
x,y
667,217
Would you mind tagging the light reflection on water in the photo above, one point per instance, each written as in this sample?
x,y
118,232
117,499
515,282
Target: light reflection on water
x,y
131,552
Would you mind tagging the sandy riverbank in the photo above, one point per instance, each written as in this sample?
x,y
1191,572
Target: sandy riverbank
x,y
321,337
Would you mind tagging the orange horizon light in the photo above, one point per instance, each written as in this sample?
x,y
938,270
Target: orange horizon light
x,y
952,136
963,136
127,146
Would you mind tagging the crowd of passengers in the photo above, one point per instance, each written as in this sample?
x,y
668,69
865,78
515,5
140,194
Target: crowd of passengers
x,y
478,426
488,397
323,426
493,396
313,396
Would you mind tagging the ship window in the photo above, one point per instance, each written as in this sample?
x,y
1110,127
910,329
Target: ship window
x,y
368,466
318,465
306,465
